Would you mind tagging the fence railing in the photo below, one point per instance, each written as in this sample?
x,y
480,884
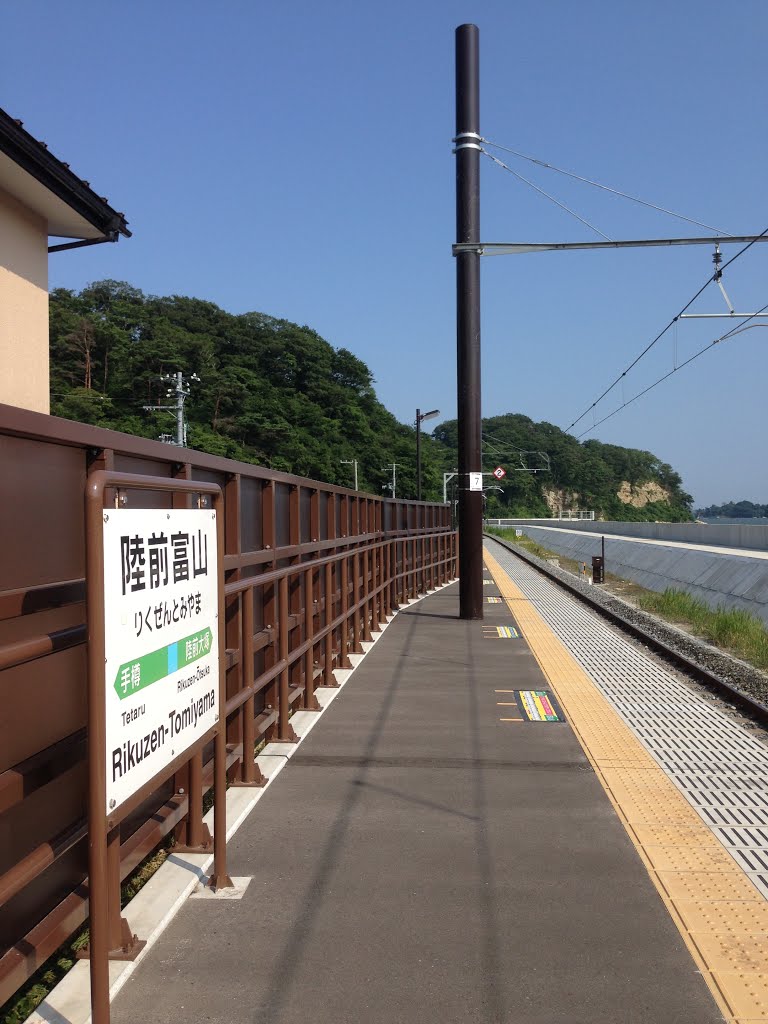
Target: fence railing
x,y
568,515
311,571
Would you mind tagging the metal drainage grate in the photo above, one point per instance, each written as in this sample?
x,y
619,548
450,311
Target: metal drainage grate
x,y
720,769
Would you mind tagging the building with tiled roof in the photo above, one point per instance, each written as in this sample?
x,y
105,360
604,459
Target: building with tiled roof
x,y
41,200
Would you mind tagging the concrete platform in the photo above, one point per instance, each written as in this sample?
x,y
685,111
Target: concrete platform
x,y
420,860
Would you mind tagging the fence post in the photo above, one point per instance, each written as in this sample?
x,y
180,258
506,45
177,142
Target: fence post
x,y
378,596
250,773
332,585
356,645
285,733
269,599
219,879
386,593
366,563
197,837
403,580
373,618
328,676
234,615
344,661
392,562
192,834
310,700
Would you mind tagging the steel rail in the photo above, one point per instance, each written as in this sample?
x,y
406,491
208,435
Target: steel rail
x,y
694,669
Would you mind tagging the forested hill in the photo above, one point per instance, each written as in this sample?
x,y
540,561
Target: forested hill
x,y
277,394
270,392
617,483
734,510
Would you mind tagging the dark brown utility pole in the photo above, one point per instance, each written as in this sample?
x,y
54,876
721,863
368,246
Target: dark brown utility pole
x,y
468,321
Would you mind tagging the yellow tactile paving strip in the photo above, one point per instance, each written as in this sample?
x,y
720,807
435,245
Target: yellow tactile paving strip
x,y
722,917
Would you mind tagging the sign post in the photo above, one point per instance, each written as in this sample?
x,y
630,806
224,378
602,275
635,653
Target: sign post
x,y
156,681
161,641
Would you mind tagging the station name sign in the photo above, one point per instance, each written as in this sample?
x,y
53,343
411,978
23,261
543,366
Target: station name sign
x,y
161,641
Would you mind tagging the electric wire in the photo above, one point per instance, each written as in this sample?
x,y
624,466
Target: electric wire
x,y
504,451
497,440
661,333
605,188
546,194
739,327
677,368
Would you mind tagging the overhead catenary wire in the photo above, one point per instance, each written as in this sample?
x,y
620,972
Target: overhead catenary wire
x,y
605,188
541,191
674,320
500,449
492,449
660,335
645,391
707,348
497,440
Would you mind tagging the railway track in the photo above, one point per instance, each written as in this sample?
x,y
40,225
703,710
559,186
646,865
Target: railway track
x,y
699,661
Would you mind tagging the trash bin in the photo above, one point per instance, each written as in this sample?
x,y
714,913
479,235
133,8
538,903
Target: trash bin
x,y
598,569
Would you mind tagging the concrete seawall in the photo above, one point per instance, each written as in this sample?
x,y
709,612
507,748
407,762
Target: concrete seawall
x,y
727,536
731,580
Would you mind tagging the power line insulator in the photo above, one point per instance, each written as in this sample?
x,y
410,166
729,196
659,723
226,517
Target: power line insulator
x,y
717,259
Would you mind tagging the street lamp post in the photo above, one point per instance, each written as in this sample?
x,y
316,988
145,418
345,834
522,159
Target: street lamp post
x,y
420,416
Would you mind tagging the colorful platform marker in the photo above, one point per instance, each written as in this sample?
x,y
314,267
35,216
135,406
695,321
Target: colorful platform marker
x,y
507,632
539,706
500,632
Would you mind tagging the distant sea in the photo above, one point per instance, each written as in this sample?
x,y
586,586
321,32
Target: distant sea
x,y
727,521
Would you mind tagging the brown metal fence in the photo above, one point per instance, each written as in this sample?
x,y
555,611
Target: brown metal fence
x,y
311,570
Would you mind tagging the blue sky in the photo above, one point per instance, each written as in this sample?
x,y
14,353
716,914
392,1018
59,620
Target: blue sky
x,y
295,159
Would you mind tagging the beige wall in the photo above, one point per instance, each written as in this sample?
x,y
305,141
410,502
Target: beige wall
x,y
23,307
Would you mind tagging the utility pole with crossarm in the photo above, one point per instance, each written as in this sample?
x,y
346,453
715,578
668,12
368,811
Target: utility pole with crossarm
x,y
179,390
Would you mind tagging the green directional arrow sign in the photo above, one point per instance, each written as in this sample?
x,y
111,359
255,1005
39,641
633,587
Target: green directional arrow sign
x,y
135,675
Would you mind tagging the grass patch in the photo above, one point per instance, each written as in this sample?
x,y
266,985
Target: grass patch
x,y
523,542
47,977
29,997
733,629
